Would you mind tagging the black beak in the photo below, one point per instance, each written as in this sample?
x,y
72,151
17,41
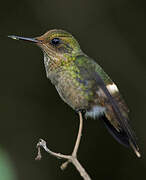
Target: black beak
x,y
24,39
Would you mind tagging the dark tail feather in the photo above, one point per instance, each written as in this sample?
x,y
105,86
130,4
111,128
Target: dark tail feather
x,y
121,136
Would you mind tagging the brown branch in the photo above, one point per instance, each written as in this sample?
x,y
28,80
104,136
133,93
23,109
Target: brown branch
x,y
79,135
70,158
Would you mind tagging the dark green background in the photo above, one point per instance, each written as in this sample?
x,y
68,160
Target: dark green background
x,y
30,107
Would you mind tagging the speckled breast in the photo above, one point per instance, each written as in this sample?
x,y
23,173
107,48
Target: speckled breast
x,y
71,91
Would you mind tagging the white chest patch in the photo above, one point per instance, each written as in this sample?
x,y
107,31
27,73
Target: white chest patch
x,y
95,112
112,88
46,60
46,63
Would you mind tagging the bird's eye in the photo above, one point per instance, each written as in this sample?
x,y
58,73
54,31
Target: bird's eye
x,y
55,41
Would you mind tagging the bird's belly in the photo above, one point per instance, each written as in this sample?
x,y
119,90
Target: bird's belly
x,y
72,93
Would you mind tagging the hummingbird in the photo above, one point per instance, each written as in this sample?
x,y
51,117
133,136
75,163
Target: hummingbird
x,y
83,84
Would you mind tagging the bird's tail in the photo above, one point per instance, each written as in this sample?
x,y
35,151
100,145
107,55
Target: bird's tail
x,y
121,136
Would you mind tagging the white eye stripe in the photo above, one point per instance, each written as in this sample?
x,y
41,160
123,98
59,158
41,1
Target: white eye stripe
x,y
112,88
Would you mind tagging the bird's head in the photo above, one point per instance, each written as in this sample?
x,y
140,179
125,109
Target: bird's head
x,y
58,45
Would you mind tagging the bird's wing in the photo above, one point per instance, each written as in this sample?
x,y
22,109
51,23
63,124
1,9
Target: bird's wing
x,y
116,112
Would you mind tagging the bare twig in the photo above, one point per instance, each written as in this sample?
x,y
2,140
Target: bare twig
x,y
79,136
70,158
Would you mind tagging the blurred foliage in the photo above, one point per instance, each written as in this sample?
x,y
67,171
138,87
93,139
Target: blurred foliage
x,y
7,171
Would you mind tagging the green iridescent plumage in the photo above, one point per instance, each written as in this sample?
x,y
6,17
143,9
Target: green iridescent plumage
x,y
83,84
